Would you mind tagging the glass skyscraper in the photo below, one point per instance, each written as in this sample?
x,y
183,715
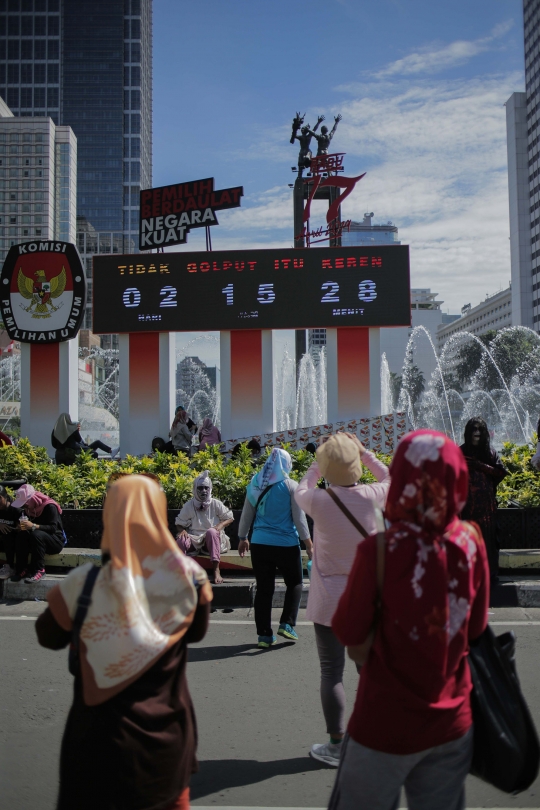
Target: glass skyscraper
x,y
88,64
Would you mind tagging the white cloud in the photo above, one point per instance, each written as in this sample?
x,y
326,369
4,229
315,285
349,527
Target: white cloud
x,y
431,59
435,154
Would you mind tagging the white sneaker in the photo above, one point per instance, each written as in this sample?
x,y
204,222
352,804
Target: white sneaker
x,y
115,451
329,753
6,571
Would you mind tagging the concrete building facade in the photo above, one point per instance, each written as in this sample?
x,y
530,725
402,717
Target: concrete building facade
x,y
523,143
493,313
38,180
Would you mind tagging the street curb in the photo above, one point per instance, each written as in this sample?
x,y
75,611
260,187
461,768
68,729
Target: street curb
x,y
235,594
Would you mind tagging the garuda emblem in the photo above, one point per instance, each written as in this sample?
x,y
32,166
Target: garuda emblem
x,y
41,292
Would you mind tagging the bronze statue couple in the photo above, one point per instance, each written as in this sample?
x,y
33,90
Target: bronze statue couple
x,y
306,134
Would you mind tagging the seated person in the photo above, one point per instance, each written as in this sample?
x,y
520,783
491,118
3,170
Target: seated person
x,y
159,445
255,448
208,434
9,526
40,532
181,436
68,442
201,521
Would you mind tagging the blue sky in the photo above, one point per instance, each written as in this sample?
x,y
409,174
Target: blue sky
x,y
421,87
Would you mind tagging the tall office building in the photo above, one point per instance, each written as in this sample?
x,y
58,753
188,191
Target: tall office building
x,y
523,141
38,180
88,64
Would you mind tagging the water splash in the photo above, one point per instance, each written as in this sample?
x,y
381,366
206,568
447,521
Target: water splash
x,y
285,388
387,399
311,408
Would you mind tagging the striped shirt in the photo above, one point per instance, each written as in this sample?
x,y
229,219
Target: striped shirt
x,y
334,537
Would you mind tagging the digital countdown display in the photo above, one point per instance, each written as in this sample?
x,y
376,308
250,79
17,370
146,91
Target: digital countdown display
x,y
252,289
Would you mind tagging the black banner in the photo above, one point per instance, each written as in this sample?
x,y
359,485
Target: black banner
x,y
168,213
252,289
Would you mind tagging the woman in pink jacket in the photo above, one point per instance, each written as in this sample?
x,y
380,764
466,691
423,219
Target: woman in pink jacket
x,y
335,540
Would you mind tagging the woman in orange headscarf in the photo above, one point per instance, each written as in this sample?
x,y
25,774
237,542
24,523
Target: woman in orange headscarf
x,y
132,716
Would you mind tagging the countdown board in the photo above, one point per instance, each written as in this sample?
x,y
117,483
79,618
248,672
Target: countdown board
x,y
252,289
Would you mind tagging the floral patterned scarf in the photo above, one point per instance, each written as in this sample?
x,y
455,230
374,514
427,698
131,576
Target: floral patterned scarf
x,y
428,490
144,597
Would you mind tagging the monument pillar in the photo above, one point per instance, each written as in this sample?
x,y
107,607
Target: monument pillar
x,y
247,392
146,389
353,373
49,387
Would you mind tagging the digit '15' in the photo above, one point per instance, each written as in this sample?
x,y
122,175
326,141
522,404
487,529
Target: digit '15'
x,y
265,294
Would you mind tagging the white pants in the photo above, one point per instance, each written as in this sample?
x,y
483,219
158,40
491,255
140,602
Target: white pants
x,y
434,779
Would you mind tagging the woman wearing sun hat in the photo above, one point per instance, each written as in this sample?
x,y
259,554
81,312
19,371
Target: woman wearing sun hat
x,y
335,540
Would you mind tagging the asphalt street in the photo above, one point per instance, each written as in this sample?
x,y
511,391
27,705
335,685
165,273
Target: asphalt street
x,y
258,714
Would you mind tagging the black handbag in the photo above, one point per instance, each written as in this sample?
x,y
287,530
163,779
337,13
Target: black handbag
x,y
506,751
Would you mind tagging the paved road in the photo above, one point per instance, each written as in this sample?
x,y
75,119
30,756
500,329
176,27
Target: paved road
x,y
258,715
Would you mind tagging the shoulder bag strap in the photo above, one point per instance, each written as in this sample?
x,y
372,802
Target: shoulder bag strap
x,y
259,500
83,603
356,523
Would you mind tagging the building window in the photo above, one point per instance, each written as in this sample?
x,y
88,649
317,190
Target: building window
x,y
40,26
52,97
13,49
13,74
13,97
54,28
39,97
27,26
52,74
40,49
39,74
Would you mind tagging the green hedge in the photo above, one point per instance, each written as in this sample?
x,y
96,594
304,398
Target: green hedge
x,y
83,483
522,484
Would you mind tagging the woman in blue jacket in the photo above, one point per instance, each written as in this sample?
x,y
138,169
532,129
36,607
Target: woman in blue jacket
x,y
278,526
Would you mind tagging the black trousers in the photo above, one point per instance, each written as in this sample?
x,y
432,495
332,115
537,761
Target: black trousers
x,y
37,543
266,561
7,544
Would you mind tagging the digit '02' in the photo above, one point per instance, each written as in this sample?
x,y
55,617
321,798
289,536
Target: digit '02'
x,y
367,290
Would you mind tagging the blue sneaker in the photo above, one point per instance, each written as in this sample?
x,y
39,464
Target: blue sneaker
x,y
266,641
287,631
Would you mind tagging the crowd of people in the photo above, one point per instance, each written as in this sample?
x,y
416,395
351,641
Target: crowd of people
x,y
68,443
402,596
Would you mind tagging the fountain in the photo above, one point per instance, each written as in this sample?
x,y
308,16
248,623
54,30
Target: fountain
x,y
311,390
387,399
510,409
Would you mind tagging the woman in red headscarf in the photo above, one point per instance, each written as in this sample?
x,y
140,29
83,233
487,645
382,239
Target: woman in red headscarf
x,y
411,724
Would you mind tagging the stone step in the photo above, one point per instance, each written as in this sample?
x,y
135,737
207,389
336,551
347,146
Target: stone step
x,y
522,559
